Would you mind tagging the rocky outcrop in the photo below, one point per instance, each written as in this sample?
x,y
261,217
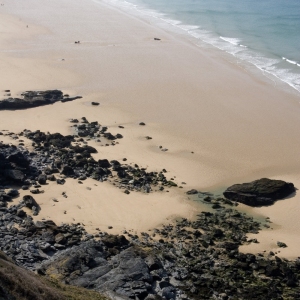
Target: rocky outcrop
x,y
260,192
17,283
87,266
35,98
182,261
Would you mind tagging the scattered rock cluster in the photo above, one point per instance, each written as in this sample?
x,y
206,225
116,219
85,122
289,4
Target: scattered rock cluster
x,y
84,128
189,260
27,242
35,98
186,260
55,153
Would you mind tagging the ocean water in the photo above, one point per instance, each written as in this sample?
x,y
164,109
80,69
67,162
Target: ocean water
x,y
261,33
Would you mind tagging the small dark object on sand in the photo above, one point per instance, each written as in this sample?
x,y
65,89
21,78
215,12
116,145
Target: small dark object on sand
x,y
157,39
95,103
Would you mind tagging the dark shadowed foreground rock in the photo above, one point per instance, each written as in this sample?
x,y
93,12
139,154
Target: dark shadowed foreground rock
x,y
35,98
17,283
260,192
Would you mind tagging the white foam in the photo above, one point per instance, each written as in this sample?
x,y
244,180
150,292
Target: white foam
x,y
233,41
172,22
188,27
230,45
291,61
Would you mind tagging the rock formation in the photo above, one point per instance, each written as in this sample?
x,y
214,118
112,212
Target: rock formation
x,y
35,98
260,192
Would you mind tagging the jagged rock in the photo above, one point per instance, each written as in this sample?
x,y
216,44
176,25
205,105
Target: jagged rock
x,y
259,192
60,239
116,241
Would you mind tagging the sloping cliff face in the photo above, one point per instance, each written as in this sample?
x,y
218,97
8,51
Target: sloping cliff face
x,y
17,283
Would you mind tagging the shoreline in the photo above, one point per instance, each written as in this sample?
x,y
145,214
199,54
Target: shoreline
x,y
186,32
241,138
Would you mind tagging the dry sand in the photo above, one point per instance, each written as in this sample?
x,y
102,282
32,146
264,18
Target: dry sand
x,y
193,99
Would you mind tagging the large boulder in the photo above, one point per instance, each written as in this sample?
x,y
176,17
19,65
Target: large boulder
x,y
262,192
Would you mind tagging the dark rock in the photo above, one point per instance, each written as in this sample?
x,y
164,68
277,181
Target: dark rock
x,y
19,158
32,99
21,213
104,163
192,192
29,201
60,239
95,103
67,170
281,245
153,263
13,193
259,192
60,181
117,241
16,175
42,179
109,136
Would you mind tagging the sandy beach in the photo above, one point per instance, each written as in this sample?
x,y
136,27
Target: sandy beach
x,y
220,123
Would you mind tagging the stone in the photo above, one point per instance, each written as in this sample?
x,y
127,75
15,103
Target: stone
x,y
60,239
16,175
67,170
42,179
21,213
13,193
281,245
60,181
35,98
260,192
192,192
29,201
